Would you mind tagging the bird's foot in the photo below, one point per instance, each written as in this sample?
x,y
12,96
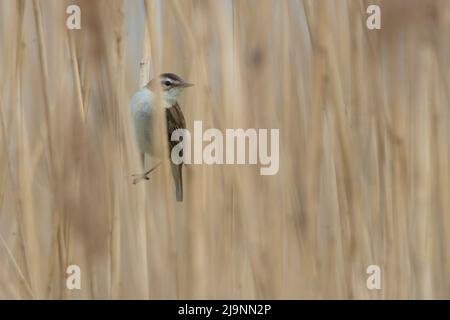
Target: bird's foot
x,y
140,177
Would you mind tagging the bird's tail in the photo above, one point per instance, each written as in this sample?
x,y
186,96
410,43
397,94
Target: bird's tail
x,y
178,179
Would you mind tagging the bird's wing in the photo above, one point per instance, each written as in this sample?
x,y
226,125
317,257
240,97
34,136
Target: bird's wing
x,y
175,117
175,120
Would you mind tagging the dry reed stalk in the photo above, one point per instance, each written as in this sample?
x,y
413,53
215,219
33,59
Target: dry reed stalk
x,y
364,153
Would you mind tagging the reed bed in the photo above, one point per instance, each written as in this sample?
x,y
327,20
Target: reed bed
x,y
364,119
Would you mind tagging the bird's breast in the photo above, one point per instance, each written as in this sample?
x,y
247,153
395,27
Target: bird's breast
x,y
141,111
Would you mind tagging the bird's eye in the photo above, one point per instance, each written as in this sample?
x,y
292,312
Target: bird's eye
x,y
167,83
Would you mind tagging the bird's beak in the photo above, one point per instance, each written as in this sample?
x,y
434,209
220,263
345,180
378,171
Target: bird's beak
x,y
186,85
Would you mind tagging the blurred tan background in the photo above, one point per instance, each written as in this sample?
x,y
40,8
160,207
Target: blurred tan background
x,y
364,119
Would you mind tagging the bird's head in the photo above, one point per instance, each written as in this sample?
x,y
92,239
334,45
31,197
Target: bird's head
x,y
171,87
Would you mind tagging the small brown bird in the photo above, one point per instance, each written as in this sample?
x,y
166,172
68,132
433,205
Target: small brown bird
x,y
142,108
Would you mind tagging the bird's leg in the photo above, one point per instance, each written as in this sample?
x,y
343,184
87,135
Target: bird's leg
x,y
139,177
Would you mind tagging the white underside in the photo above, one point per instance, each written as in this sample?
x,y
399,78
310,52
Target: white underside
x,y
142,108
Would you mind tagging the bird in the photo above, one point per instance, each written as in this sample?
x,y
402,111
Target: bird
x,y
142,112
